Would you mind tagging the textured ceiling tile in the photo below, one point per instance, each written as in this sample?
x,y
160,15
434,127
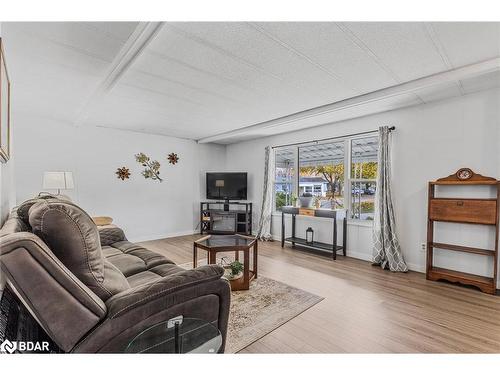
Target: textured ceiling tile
x,y
119,30
326,44
405,48
248,45
76,36
469,42
23,48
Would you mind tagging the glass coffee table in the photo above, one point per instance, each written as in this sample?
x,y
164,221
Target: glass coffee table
x,y
236,243
178,335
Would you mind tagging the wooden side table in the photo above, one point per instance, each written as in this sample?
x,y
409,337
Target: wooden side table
x,y
101,221
214,244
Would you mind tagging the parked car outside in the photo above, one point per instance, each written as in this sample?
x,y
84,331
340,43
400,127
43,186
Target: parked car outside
x,y
370,191
357,191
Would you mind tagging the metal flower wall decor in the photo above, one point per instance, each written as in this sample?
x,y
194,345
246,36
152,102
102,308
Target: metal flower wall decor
x,y
173,158
123,173
152,167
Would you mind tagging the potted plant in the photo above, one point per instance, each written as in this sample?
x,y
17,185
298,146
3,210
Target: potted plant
x,y
234,270
306,200
293,200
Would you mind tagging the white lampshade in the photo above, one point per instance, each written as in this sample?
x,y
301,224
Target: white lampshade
x,y
58,180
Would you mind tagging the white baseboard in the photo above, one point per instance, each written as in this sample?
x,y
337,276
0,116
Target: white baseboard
x,y
368,257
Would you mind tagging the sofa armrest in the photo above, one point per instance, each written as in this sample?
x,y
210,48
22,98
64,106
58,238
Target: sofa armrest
x,y
199,293
110,234
49,290
127,300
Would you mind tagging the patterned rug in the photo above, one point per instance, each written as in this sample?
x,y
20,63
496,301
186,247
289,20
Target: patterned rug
x,y
258,311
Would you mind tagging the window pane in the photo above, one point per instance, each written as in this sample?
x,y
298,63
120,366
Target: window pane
x,y
364,158
322,173
363,200
284,177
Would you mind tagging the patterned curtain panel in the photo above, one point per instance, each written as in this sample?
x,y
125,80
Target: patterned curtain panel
x,y
266,211
386,248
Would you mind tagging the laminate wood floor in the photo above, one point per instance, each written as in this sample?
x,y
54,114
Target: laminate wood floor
x,y
366,309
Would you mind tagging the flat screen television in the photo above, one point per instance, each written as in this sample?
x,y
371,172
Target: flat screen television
x,y
227,186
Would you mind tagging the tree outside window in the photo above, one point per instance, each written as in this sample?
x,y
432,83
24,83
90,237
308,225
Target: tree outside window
x,y
323,169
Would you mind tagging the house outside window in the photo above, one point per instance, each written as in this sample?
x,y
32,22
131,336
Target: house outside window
x,y
323,165
340,173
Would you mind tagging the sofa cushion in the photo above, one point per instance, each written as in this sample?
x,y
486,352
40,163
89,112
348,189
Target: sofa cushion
x,y
131,258
153,274
23,209
13,225
73,237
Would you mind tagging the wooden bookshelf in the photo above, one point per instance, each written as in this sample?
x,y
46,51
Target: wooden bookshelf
x,y
463,210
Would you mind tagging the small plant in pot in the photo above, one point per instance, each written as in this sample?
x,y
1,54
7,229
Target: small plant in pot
x,y
306,200
234,270
293,200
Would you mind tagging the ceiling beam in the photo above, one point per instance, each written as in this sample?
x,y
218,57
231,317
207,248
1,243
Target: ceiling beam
x,y
320,115
143,34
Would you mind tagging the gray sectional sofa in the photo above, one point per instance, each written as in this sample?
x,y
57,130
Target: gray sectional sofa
x,y
92,290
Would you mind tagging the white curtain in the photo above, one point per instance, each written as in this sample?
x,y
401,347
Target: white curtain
x,y
386,248
266,211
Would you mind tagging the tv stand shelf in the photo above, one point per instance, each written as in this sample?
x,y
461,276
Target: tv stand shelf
x,y
223,217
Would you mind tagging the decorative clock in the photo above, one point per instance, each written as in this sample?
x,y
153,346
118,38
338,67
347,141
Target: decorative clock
x,y
464,174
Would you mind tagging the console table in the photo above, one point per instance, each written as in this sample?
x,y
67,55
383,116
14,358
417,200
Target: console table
x,y
315,245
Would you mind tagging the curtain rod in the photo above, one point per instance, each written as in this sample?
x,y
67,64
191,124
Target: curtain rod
x,y
331,138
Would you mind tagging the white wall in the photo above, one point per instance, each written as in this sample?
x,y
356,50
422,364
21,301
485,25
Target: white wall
x,y
145,209
7,180
430,141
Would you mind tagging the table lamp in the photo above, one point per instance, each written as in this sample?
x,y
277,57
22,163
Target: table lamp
x,y
219,184
58,180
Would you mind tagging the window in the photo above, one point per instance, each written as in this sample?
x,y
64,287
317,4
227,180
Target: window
x,y
321,167
340,173
284,177
363,177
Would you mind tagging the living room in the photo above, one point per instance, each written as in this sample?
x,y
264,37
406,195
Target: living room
x,y
246,186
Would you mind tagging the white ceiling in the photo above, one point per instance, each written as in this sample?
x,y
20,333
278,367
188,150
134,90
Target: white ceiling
x,y
199,80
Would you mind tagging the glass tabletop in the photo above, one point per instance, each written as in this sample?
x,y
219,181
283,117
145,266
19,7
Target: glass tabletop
x,y
225,240
178,335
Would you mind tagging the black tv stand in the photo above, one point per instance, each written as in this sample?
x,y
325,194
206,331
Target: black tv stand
x,y
225,217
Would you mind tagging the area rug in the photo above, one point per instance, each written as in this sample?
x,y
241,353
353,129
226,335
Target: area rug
x,y
258,311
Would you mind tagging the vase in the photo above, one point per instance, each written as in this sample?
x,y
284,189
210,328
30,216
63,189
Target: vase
x,y
306,202
228,275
